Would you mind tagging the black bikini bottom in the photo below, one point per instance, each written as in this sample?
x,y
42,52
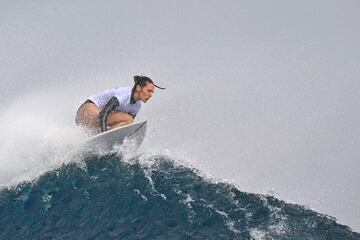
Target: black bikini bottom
x,y
87,101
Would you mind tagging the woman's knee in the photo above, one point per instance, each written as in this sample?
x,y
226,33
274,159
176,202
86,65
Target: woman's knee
x,y
118,117
129,118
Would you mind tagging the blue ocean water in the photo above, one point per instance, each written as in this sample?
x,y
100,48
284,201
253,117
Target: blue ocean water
x,y
109,198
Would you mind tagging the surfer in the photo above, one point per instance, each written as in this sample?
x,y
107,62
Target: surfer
x,y
115,107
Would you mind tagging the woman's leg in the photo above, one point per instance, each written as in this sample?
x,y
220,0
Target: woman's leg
x,y
88,115
119,119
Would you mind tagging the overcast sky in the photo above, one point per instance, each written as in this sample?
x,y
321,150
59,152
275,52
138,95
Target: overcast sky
x,y
264,94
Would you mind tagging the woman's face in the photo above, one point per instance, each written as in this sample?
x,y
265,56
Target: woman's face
x,y
146,92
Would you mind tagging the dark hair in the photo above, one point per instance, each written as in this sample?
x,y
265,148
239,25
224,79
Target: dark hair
x,y
142,81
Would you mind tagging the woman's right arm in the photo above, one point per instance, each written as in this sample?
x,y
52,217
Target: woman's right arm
x,y
109,107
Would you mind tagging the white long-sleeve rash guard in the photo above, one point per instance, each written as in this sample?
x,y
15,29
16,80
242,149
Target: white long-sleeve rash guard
x,y
115,99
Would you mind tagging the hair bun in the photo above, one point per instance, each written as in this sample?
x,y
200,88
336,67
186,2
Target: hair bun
x,y
137,78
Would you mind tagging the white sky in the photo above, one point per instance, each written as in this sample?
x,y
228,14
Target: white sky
x,y
265,94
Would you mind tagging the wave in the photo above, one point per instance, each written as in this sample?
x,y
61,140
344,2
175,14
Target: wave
x,y
108,197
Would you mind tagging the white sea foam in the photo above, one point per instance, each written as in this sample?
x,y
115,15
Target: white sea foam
x,y
35,138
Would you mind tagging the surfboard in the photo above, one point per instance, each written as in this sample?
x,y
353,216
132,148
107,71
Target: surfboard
x,y
106,141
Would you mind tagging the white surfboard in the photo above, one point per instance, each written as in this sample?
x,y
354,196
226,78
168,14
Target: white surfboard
x,y
106,141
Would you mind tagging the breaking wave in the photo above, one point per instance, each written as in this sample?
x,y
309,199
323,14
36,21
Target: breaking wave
x,y
150,197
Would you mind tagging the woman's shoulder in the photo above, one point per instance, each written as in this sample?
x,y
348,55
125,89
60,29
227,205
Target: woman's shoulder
x,y
123,89
123,94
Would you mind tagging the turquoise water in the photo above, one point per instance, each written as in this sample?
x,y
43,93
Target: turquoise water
x,y
108,198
